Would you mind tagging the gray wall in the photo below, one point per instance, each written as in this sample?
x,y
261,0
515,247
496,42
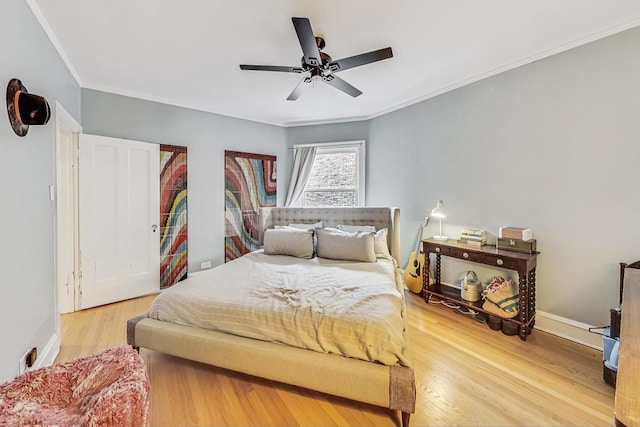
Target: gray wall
x,y
553,146
207,136
26,169
335,132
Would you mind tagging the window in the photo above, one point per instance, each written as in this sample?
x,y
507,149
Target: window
x,y
337,176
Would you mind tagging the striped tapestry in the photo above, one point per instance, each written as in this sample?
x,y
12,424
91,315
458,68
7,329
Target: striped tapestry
x,y
250,183
173,214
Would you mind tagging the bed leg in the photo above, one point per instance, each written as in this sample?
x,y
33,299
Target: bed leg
x,y
405,419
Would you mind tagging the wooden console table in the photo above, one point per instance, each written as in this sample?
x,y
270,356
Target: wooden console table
x,y
523,263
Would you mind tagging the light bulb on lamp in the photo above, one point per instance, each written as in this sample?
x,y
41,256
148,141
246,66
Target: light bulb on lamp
x,y
439,212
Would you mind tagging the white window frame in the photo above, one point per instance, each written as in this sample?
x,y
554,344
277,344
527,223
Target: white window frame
x,y
359,147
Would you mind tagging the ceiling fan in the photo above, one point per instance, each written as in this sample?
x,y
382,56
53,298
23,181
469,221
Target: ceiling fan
x,y
320,65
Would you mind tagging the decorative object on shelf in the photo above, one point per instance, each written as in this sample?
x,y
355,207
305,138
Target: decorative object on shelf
x,y
495,322
470,287
413,272
517,245
24,108
473,237
515,233
509,328
440,213
501,298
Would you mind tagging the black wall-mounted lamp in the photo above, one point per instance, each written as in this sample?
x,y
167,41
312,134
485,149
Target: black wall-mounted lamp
x,y
25,108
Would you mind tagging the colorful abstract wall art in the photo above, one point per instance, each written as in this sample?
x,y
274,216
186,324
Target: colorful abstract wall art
x,y
173,215
250,183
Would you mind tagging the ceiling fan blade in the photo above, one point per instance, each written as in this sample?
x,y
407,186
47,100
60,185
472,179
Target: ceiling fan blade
x,y
340,84
362,59
301,87
272,68
307,41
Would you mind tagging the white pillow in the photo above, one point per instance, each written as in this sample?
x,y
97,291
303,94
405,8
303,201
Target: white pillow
x,y
355,246
345,227
289,241
306,226
381,246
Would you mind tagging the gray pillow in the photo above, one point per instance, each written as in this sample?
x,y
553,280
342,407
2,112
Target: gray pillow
x,y
289,241
355,246
303,227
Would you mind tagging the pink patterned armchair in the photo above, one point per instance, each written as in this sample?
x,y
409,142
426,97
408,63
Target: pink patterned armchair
x,y
109,388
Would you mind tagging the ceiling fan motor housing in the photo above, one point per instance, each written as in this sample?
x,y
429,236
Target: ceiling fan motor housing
x,y
324,58
320,65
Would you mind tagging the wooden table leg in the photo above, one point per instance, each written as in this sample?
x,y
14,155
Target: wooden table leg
x,y
426,267
532,298
438,270
523,302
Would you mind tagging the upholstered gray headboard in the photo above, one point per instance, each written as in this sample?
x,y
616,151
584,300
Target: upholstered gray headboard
x,y
379,217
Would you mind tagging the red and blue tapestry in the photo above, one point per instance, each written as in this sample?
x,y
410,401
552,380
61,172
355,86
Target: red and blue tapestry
x,y
250,183
173,215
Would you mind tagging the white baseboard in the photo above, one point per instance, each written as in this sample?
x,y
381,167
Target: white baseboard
x,y
48,354
568,329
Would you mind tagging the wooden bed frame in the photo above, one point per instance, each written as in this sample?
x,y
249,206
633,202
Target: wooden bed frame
x,y
391,387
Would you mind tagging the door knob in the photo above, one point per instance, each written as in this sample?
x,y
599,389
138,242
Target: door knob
x,y
154,227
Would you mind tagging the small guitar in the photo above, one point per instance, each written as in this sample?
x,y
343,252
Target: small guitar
x,y
413,272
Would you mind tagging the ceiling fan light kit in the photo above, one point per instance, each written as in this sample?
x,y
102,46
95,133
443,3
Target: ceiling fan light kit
x,y
319,65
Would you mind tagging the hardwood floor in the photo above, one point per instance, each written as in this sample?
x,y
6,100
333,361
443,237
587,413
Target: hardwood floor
x,y
466,375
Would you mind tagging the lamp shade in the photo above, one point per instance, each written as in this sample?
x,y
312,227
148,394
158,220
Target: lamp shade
x,y
439,211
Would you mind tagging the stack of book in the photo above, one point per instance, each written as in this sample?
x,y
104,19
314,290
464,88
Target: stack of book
x,y
473,237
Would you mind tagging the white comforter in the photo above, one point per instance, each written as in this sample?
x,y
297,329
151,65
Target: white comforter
x,y
349,308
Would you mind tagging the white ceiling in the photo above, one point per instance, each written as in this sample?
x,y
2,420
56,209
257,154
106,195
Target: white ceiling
x,y
187,52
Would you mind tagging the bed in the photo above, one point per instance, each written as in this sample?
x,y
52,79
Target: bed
x,y
386,379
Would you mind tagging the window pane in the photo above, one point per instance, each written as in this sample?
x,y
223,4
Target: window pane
x,y
333,170
320,199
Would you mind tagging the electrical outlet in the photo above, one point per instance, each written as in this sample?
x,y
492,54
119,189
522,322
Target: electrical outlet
x,y
28,360
23,361
32,357
206,264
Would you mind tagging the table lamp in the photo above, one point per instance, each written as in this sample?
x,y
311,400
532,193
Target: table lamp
x,y
439,212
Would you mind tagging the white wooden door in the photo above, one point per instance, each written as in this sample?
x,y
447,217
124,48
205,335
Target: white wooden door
x,y
119,217
66,195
